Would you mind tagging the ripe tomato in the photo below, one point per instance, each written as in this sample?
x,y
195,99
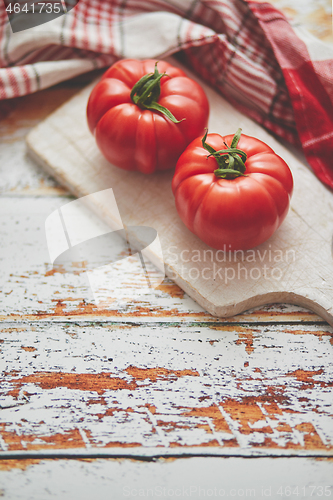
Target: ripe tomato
x,y
144,114
232,192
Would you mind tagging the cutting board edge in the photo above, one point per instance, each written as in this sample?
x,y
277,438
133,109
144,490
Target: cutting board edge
x,y
269,298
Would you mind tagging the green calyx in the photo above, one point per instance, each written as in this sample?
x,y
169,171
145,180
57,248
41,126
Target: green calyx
x,y
146,92
231,161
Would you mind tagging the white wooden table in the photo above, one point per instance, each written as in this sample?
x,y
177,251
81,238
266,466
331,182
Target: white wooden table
x,y
147,396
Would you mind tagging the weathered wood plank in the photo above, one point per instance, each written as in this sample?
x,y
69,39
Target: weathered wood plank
x,y
104,385
194,478
32,290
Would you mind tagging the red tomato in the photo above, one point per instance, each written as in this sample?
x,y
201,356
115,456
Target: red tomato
x,y
232,197
141,128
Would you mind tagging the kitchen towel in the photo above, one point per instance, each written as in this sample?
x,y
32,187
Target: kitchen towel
x,y
279,75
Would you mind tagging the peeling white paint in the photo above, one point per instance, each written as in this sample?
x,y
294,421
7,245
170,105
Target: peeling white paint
x,y
215,375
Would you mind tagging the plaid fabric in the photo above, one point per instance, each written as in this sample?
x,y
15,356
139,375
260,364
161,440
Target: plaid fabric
x,y
279,76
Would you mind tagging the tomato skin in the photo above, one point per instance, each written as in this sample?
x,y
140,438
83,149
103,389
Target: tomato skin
x,y
139,139
232,214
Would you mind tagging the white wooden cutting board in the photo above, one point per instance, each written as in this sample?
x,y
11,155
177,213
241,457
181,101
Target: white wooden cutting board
x,y
294,266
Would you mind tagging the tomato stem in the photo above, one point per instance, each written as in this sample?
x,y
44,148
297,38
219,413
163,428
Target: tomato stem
x,y
146,93
231,161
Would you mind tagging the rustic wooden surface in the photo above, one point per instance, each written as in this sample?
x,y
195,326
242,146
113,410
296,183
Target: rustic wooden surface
x,y
147,374
199,477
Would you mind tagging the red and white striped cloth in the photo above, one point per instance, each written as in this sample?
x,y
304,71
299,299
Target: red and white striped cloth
x,y
280,76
